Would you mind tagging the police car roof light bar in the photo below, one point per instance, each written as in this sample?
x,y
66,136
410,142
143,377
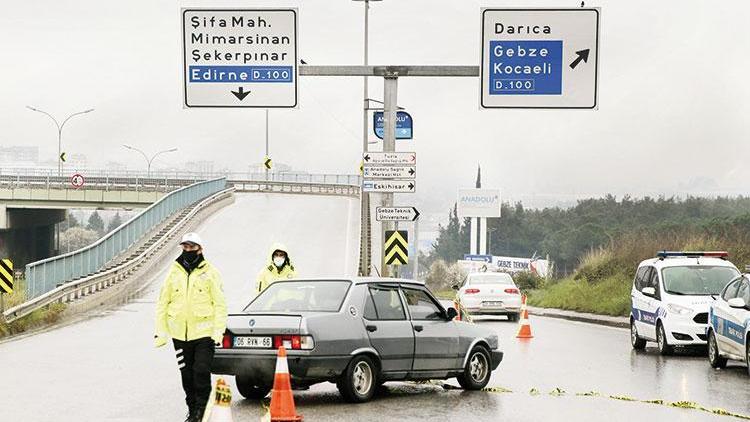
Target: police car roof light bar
x,y
692,254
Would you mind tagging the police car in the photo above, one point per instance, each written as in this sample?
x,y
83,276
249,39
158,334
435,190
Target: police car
x,y
671,295
729,325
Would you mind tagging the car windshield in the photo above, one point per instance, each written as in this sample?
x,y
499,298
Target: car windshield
x,y
497,278
301,296
697,280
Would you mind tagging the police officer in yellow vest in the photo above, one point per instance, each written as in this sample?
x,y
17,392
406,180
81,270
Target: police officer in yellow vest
x,y
192,312
279,267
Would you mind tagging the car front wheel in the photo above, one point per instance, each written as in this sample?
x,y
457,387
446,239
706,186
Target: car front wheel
x,y
359,381
250,389
476,373
637,342
661,339
714,358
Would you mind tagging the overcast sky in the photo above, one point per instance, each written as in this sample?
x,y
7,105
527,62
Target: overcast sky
x,y
673,104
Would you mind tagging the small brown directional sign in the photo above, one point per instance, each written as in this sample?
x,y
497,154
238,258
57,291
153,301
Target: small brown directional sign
x,y
396,247
6,276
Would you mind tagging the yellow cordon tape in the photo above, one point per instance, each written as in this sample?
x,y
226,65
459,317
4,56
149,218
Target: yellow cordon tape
x,y
558,392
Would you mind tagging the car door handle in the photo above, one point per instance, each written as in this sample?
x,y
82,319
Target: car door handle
x,y
371,328
418,328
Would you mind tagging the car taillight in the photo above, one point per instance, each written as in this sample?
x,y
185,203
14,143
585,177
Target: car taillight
x,y
471,291
294,342
226,342
512,291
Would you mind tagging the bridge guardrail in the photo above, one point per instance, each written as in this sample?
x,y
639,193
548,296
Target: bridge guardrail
x,y
295,187
45,275
71,291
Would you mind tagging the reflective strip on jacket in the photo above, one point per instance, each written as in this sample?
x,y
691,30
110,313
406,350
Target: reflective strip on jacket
x,y
192,307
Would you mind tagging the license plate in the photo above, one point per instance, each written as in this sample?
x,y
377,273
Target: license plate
x,y
492,303
253,342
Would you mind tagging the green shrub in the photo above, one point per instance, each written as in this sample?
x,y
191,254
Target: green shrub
x,y
528,281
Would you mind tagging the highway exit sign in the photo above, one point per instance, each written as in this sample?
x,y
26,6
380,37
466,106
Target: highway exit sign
x,y
540,58
240,57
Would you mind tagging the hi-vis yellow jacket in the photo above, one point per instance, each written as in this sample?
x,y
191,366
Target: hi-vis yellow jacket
x,y
192,307
270,274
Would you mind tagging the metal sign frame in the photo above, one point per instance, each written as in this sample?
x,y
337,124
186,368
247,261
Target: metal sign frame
x,y
482,69
295,66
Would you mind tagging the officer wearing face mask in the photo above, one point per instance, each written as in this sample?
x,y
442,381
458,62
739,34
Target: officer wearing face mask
x,y
279,268
192,312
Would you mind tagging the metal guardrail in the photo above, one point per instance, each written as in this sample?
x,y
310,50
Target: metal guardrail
x,y
71,291
104,183
296,187
44,276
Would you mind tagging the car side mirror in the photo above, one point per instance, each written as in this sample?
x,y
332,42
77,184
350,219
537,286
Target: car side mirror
x,y
451,313
649,291
455,287
737,302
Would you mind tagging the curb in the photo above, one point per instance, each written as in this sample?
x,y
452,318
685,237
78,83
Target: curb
x,y
610,321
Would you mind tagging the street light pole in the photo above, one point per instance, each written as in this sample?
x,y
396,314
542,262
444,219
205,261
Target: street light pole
x,y
365,235
149,160
59,132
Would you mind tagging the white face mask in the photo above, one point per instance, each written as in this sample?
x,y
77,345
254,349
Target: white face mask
x,y
279,261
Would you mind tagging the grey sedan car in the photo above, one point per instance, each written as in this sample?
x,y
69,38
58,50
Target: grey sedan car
x,y
357,333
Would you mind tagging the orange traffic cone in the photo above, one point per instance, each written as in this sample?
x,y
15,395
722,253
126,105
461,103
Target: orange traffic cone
x,y
524,330
220,410
282,400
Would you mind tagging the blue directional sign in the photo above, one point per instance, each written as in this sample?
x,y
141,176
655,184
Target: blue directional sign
x,y
404,125
526,67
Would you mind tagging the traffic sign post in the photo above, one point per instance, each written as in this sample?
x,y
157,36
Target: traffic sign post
x,y
404,125
396,247
396,214
390,172
6,281
240,57
389,186
540,58
77,180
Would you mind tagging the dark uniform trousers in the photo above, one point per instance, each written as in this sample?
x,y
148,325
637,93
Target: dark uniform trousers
x,y
194,361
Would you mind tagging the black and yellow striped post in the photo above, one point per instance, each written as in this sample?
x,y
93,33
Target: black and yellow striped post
x,y
6,281
396,247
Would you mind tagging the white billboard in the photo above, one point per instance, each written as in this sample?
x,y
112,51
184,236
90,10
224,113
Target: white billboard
x,y
479,203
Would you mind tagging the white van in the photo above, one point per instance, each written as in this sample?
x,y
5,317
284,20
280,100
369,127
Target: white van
x,y
671,296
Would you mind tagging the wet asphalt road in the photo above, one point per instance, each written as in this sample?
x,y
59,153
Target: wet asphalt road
x,y
105,368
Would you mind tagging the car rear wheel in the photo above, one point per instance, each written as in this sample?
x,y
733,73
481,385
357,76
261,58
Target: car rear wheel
x,y
747,357
637,342
250,389
661,339
477,371
359,381
714,358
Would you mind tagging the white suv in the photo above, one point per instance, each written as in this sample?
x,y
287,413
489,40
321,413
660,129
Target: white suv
x,y
671,296
729,324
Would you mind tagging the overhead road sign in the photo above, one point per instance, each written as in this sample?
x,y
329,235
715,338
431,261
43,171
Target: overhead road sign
x,y
396,247
404,125
6,276
396,214
389,186
390,172
393,158
479,203
540,58
240,57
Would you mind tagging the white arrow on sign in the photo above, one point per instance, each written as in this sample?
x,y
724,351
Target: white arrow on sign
x,y
393,158
389,186
396,214
390,172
